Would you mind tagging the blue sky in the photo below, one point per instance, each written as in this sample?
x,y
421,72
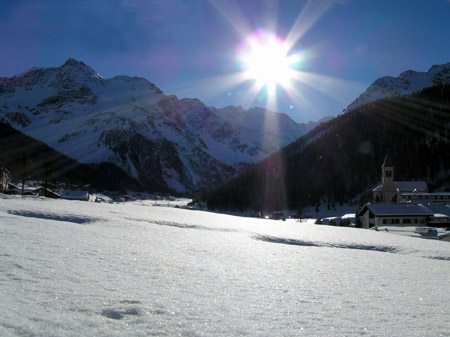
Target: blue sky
x,y
189,47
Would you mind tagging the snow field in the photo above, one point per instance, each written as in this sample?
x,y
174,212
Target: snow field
x,y
70,268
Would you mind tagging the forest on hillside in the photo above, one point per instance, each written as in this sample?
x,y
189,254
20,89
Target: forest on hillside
x,y
341,160
29,159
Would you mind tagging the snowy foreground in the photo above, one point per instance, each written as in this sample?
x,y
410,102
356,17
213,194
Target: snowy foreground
x,y
70,268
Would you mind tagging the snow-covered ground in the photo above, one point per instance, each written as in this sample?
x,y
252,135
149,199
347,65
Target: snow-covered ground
x,y
72,268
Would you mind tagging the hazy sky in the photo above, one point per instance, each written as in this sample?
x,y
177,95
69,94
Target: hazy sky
x,y
189,47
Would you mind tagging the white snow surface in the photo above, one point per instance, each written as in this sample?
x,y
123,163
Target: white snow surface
x,y
73,268
407,82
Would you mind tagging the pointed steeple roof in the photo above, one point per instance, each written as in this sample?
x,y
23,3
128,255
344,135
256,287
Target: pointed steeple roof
x,y
388,161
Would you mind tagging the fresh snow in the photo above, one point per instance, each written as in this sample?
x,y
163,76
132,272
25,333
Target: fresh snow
x,y
73,268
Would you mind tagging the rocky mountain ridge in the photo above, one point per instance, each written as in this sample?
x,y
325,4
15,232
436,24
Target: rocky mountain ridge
x,y
158,139
407,82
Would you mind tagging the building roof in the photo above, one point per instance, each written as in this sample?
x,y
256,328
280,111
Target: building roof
x,y
437,209
424,197
379,188
427,194
47,192
395,209
405,186
388,161
74,195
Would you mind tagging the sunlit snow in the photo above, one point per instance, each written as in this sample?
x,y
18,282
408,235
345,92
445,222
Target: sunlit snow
x,y
72,268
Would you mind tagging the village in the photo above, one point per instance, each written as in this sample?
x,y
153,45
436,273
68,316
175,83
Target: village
x,y
69,192
396,206
406,204
9,187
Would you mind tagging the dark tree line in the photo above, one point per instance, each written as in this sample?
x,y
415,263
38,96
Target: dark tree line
x,y
27,158
342,158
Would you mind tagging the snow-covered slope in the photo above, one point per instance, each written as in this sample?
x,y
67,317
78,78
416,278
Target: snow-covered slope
x,y
73,268
128,121
408,82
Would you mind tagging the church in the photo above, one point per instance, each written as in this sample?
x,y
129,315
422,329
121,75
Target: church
x,y
404,203
388,189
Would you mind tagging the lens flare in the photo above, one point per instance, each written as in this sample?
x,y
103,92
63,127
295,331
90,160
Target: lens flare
x,y
266,60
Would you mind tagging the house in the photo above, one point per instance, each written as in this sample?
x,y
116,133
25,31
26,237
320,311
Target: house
x,y
278,216
388,187
441,215
4,175
12,189
396,214
74,195
422,197
45,192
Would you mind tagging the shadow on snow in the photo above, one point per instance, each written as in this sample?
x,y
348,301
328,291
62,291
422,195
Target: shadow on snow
x,y
293,242
56,217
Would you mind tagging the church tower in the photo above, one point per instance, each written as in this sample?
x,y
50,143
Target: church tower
x,y
387,178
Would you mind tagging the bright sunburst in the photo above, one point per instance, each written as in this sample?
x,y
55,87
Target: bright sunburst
x,y
273,70
266,60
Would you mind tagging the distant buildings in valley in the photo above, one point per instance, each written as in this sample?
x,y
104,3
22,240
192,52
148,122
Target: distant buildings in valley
x,y
404,203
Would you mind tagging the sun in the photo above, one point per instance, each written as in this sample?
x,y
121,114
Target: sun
x,y
266,60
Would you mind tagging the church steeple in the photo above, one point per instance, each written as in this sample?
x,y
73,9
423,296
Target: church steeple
x,y
387,161
387,177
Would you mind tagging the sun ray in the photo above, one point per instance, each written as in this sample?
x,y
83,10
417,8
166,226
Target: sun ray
x,y
310,14
336,88
251,94
210,87
232,12
301,97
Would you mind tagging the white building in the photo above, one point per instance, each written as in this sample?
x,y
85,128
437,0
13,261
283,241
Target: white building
x,y
74,195
388,213
422,197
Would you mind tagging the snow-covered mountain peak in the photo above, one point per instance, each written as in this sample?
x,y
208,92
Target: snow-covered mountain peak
x,y
160,140
437,68
407,73
75,65
407,82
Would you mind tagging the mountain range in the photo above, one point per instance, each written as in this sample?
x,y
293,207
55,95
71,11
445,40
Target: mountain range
x,y
340,160
147,140
162,142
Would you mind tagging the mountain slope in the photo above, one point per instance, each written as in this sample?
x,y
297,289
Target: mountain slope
x,y
25,156
408,82
159,140
342,158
